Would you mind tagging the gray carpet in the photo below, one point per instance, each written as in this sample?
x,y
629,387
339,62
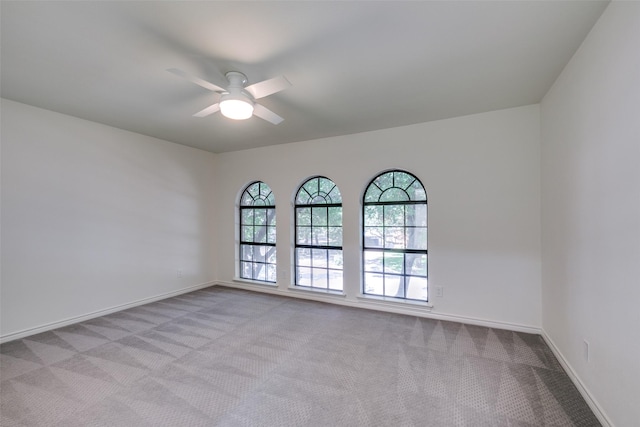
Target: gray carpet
x,y
225,357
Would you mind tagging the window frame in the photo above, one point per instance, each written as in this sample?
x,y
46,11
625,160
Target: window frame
x,y
323,247
270,223
366,247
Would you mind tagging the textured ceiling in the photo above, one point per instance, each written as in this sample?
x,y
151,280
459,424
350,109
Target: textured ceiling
x,y
354,66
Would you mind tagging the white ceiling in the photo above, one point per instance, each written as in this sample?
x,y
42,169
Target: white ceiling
x,y
355,66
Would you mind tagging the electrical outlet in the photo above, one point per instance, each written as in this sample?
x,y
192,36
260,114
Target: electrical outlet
x,y
439,292
179,274
585,350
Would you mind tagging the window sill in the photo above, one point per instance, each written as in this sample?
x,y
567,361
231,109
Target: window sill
x,y
317,290
395,301
255,282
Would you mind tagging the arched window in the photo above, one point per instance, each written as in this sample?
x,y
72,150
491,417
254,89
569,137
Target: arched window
x,y
395,237
318,235
258,233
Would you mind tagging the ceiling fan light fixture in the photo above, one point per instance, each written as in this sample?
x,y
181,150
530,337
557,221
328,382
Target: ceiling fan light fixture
x,y
236,108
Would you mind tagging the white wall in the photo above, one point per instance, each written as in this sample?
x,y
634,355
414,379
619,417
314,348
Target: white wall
x,y
591,212
94,217
482,178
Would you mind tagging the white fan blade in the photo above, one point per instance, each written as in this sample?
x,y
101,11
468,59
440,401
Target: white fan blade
x,y
205,84
266,114
268,87
208,111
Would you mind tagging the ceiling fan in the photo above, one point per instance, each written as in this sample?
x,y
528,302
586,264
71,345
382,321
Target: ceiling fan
x,y
238,101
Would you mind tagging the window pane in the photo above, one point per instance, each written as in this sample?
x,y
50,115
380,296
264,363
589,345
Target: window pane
x,y
417,288
402,179
319,278
271,216
384,181
326,186
373,215
247,216
303,216
319,216
247,234
372,194
312,186
259,253
335,280
304,276
319,199
373,237
303,256
335,259
246,270
335,216
271,273
303,197
264,190
270,256
393,286
394,195
394,215
319,257
254,189
246,200
271,234
319,236
416,264
394,263
394,237
259,272
416,215
416,192
373,261
335,195
260,216
335,236
246,252
417,238
260,235
304,235
373,284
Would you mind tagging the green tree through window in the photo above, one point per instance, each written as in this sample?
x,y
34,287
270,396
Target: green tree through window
x,y
395,237
318,235
258,233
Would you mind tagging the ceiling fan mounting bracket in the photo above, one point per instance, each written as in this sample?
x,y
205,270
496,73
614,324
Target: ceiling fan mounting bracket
x,y
236,78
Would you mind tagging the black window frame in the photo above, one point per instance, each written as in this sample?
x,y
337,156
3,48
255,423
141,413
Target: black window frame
x,y
327,204
405,252
266,203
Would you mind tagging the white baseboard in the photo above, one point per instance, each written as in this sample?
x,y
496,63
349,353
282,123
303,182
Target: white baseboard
x,y
591,401
398,308
71,320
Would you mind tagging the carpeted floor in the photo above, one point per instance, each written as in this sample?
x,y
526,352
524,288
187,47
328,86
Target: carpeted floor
x,y
225,357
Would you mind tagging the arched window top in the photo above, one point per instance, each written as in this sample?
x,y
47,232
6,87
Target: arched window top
x,y
395,186
257,194
318,191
